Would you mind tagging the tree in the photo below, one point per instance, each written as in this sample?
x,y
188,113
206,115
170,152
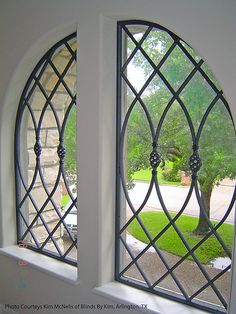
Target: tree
x,y
217,147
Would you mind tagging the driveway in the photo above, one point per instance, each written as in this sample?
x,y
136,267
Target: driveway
x,y
174,197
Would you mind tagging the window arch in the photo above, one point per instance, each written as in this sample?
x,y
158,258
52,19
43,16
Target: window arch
x,y
175,132
45,155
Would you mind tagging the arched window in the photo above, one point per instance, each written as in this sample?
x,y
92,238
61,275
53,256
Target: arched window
x,y
45,155
175,165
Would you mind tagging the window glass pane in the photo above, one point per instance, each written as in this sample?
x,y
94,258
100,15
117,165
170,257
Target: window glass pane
x,y
46,164
176,170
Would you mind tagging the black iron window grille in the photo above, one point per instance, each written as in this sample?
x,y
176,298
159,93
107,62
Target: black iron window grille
x,y
45,155
174,125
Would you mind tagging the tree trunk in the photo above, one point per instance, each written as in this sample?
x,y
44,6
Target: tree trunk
x,y
203,227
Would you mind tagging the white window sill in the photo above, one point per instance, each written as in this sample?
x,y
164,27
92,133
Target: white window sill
x,y
43,263
124,294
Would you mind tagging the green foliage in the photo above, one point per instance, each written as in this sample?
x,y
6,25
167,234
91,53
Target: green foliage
x,y
64,200
171,173
217,147
70,146
171,242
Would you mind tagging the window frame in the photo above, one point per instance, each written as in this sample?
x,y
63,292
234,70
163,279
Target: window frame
x,y
119,125
37,148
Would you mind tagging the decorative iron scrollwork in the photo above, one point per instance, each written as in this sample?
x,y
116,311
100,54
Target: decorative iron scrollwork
x,y
171,68
46,123
155,158
61,152
195,162
37,149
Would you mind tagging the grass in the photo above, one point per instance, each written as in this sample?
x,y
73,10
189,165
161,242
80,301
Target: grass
x,y
146,174
170,241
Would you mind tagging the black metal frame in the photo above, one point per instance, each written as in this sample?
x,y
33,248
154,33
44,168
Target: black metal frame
x,y
155,159
21,187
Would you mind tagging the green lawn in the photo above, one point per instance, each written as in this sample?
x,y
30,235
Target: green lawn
x,y
170,241
145,175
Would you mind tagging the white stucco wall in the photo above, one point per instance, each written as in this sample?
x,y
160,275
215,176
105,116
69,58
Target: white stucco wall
x,y
27,29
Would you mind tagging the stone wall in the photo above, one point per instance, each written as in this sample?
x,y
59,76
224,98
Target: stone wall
x,y
49,141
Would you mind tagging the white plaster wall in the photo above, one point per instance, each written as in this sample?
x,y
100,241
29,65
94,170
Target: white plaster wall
x,y
27,29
